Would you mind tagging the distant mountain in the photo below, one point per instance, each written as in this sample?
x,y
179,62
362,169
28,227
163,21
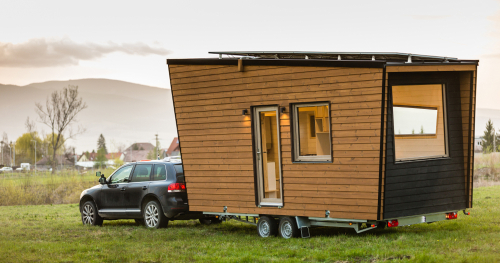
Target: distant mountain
x,y
123,112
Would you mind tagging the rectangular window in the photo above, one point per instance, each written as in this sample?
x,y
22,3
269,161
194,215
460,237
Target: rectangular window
x,y
141,172
312,138
159,172
419,116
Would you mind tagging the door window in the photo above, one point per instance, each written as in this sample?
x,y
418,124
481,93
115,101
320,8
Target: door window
x,y
142,172
121,174
159,173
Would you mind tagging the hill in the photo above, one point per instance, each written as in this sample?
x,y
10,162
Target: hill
x,y
123,112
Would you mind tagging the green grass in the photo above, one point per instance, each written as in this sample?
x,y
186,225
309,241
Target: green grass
x,y
54,233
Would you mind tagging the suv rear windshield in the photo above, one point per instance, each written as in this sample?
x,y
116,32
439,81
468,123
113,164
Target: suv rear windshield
x,y
179,173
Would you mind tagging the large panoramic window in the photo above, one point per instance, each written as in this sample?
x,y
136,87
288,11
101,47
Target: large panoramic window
x,y
419,122
312,132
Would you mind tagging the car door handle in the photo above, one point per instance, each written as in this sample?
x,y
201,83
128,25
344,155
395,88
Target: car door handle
x,y
144,187
123,188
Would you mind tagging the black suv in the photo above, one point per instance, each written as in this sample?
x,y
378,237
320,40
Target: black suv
x,y
151,192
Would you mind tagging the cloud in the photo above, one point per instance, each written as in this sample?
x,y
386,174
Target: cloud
x,y
41,52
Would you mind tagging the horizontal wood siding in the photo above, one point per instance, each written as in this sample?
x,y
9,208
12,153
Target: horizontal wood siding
x,y
216,140
468,82
420,187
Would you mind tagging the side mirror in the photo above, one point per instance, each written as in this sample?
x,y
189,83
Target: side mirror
x,y
98,174
102,180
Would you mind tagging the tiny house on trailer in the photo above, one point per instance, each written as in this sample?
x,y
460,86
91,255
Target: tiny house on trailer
x,y
304,139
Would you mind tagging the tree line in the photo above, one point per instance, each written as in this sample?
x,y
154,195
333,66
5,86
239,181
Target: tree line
x,y
490,140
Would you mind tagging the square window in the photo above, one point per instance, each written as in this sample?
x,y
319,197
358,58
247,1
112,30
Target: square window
x,y
312,138
419,115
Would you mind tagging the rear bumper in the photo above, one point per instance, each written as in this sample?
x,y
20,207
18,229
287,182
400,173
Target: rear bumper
x,y
175,211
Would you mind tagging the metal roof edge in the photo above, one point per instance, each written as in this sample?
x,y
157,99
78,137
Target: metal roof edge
x,y
280,62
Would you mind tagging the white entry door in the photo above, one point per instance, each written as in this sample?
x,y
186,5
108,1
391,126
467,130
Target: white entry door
x,y
268,155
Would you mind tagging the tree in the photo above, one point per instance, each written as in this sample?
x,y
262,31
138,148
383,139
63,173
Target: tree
x,y
101,144
489,138
422,129
59,113
101,158
25,147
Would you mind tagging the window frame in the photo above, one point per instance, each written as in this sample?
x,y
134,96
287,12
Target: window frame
x,y
445,126
295,135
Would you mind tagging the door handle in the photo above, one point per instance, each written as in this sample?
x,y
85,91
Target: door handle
x,y
123,188
144,187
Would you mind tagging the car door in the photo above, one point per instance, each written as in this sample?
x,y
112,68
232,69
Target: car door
x,y
112,203
137,188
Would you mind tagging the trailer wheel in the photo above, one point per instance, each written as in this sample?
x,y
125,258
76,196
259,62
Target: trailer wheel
x,y
288,227
267,226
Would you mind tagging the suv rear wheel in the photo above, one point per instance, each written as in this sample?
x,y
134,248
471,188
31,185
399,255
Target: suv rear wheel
x,y
153,215
89,214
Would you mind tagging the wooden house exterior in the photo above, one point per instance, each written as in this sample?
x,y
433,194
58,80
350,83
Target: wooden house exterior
x,y
313,134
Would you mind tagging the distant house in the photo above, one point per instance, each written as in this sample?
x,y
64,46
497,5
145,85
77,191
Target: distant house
x,y
137,151
478,145
140,146
112,156
83,158
44,163
174,149
134,156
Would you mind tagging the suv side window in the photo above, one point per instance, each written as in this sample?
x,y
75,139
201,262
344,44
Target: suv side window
x,y
142,172
121,174
160,172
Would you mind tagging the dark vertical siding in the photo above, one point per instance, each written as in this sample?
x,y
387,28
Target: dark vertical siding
x,y
419,187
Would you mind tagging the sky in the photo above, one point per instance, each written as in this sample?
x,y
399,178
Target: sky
x,y
130,40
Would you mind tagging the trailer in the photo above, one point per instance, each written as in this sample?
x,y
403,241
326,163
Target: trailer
x,y
293,140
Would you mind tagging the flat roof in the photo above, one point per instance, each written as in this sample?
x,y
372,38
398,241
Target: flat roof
x,y
314,58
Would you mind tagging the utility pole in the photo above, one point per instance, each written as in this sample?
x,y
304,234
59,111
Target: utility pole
x,y
35,155
14,154
2,150
10,149
157,150
10,152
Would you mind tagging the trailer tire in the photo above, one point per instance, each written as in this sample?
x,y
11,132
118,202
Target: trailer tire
x,y
288,227
267,226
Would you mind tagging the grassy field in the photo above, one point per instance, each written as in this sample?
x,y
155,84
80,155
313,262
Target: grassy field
x,y
54,233
45,188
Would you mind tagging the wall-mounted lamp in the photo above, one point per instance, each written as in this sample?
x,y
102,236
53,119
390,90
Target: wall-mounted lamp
x,y
282,109
244,112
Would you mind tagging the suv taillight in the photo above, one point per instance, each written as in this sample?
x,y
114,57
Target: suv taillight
x,y
176,187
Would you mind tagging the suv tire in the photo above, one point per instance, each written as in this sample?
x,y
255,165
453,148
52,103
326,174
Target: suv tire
x,y
90,215
153,215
